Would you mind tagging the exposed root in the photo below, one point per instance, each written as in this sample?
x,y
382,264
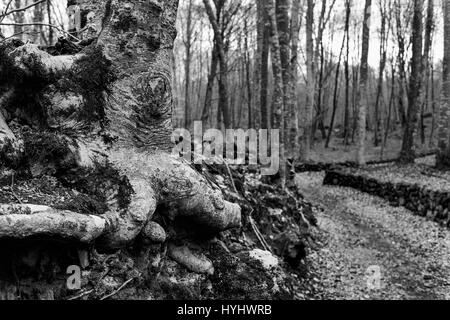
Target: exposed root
x,y
194,262
23,221
10,147
41,60
153,178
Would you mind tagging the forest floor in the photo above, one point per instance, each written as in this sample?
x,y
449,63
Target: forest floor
x,y
338,152
358,233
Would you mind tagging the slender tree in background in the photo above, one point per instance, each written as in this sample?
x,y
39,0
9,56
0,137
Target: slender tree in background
x,y
287,68
307,118
336,86
219,42
443,159
50,21
293,111
210,84
248,76
348,6
408,152
401,61
426,64
260,30
187,64
19,19
278,105
265,51
384,37
38,18
319,56
362,88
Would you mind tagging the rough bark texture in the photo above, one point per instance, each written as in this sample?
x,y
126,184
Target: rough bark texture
x,y
415,84
444,117
223,79
311,85
293,106
362,92
187,67
108,112
278,104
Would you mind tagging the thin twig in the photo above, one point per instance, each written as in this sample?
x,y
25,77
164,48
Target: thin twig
x,y
12,190
118,290
81,295
22,9
39,24
231,176
259,234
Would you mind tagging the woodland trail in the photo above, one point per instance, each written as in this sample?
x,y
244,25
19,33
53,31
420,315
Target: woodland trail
x,y
359,233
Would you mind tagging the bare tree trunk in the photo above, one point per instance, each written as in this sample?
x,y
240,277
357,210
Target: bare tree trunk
x,y
426,73
265,51
443,159
282,17
251,119
187,67
19,19
293,124
258,57
401,64
347,128
223,81
50,21
38,17
362,91
408,152
278,95
310,98
384,35
336,90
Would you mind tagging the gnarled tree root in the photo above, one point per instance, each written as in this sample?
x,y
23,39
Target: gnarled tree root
x,y
156,179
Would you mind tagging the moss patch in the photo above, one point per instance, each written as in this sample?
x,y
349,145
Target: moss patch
x,y
102,181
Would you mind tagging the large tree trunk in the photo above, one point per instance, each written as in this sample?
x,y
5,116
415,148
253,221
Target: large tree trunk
x,y
109,108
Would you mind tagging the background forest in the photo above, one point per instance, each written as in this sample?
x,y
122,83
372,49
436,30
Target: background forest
x,y
224,68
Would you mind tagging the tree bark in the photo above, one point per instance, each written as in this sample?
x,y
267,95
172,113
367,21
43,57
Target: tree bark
x,y
443,159
118,119
187,67
362,90
347,128
307,133
278,104
223,81
408,152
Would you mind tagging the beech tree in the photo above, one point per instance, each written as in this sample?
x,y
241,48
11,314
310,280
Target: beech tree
x,y
106,108
362,89
408,153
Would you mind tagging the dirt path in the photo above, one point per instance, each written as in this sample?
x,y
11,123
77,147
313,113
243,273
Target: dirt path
x,y
361,235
